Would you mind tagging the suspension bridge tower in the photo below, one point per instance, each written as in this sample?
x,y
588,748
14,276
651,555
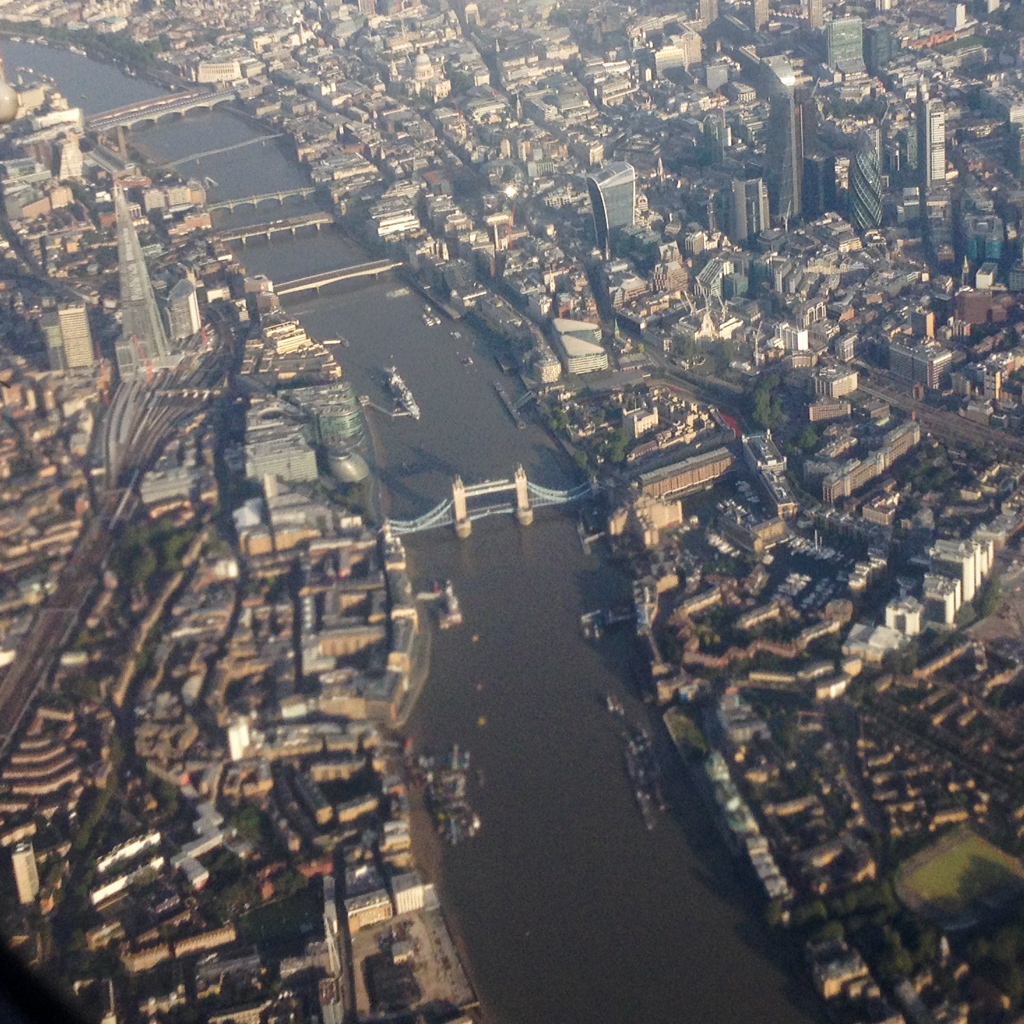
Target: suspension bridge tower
x,y
524,513
463,524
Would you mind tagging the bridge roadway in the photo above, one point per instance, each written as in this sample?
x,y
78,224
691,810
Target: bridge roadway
x,y
153,110
230,204
292,224
444,513
317,281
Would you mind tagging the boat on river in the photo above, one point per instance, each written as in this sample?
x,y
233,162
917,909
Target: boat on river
x,y
510,405
401,392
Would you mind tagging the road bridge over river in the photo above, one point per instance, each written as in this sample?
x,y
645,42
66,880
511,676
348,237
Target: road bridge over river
x,y
523,499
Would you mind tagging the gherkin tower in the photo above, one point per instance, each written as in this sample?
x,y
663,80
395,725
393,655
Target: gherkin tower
x,y
866,187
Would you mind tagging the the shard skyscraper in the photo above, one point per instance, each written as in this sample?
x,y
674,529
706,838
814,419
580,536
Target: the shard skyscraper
x,y
143,343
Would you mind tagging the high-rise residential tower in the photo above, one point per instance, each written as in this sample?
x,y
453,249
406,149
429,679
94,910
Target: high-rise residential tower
x,y
612,200
76,336
26,874
708,12
931,139
815,13
761,13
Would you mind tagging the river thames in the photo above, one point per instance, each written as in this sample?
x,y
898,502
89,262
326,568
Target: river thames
x,y
571,911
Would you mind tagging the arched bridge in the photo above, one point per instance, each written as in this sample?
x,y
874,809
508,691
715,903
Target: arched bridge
x,y
522,499
263,197
153,110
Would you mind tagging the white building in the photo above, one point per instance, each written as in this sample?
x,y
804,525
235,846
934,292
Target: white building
x,y
238,738
26,874
794,339
581,356
217,71
941,598
639,421
904,615
958,560
408,891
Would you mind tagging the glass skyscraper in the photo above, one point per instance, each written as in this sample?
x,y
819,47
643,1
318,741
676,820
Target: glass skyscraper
x,y
749,213
612,199
785,154
866,186
844,39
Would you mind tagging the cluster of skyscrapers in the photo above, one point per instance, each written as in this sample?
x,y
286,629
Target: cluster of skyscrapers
x,y
797,181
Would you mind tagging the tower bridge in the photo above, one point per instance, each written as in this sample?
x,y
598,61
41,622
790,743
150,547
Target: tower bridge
x,y
524,498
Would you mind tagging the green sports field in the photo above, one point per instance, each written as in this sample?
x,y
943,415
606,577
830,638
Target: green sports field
x,y
955,877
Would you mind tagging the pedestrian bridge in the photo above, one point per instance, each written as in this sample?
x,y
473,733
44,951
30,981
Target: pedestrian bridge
x,y
314,282
521,498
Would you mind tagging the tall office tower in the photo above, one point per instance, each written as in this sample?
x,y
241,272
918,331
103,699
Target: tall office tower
x,y
183,311
50,325
749,211
761,12
1015,148
818,189
866,185
785,155
815,13
612,201
26,875
717,137
143,339
931,139
76,335
880,46
708,12
844,42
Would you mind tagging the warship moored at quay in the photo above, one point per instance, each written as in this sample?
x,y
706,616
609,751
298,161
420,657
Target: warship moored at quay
x,y
510,405
400,390
645,773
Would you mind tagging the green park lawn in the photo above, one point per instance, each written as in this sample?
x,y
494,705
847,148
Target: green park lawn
x,y
956,873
